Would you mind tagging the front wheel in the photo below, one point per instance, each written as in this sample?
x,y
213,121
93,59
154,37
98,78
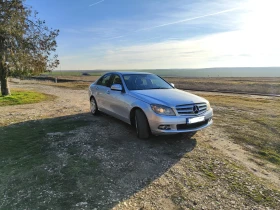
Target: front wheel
x,y
142,125
93,106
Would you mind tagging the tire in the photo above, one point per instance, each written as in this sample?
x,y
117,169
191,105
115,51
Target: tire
x,y
93,106
141,125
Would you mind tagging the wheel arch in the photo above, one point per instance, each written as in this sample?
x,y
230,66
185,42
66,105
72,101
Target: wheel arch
x,y
92,97
132,115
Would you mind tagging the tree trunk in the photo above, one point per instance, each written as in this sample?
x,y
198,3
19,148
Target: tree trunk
x,y
5,89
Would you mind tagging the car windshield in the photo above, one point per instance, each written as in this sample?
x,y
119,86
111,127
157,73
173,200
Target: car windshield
x,y
145,82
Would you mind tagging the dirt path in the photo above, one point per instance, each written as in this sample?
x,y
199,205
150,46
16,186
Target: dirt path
x,y
259,168
223,143
207,171
67,102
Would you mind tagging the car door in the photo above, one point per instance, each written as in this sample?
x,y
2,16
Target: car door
x,y
102,91
119,106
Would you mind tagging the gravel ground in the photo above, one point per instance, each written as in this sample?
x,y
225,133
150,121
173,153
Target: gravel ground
x,y
68,102
171,172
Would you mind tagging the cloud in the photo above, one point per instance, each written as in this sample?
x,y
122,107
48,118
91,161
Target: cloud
x,y
195,37
217,50
178,22
189,19
227,49
70,57
96,3
70,30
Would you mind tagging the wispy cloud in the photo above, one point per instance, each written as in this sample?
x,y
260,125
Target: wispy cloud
x,y
70,30
215,50
96,3
178,22
178,34
70,57
230,49
189,19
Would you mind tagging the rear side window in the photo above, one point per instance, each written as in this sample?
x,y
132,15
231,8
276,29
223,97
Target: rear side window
x,y
105,80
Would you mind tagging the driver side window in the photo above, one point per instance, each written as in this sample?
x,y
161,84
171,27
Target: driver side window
x,y
117,80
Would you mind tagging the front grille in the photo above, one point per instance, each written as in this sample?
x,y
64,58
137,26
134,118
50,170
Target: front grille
x,y
191,126
191,109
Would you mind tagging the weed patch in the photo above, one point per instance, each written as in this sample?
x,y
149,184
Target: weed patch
x,y
24,97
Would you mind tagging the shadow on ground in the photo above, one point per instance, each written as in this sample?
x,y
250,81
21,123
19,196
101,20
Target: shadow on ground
x,y
80,162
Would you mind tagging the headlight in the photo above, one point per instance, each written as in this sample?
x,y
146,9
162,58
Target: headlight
x,y
208,105
164,110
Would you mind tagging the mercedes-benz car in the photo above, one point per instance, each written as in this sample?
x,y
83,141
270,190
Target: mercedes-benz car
x,y
149,103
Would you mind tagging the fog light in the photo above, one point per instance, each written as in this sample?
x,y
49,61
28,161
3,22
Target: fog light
x,y
164,127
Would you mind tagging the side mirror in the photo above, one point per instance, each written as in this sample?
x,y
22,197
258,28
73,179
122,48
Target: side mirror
x,y
116,87
172,84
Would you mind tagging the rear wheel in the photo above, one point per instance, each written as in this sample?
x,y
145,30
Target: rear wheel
x,y
93,106
142,125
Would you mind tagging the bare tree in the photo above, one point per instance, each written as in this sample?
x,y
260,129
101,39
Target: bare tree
x,y
27,45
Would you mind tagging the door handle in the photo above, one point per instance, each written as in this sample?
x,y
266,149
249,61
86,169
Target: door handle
x,y
108,91
96,88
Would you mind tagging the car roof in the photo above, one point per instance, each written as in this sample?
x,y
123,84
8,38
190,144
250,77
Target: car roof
x,y
128,72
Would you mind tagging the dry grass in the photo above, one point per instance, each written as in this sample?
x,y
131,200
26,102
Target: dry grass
x,y
80,78
81,162
78,162
71,85
252,121
251,85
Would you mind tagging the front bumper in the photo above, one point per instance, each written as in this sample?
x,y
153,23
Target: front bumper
x,y
177,124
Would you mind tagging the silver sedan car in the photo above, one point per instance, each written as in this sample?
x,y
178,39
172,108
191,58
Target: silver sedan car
x,y
149,103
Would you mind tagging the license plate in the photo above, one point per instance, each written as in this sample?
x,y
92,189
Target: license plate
x,y
195,120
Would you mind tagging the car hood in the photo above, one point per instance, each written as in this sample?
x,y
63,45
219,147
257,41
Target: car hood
x,y
167,97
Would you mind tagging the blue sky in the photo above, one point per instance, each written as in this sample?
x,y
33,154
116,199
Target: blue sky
x,y
147,34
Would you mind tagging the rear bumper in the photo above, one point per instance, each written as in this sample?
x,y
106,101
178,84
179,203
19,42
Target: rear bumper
x,y
177,124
